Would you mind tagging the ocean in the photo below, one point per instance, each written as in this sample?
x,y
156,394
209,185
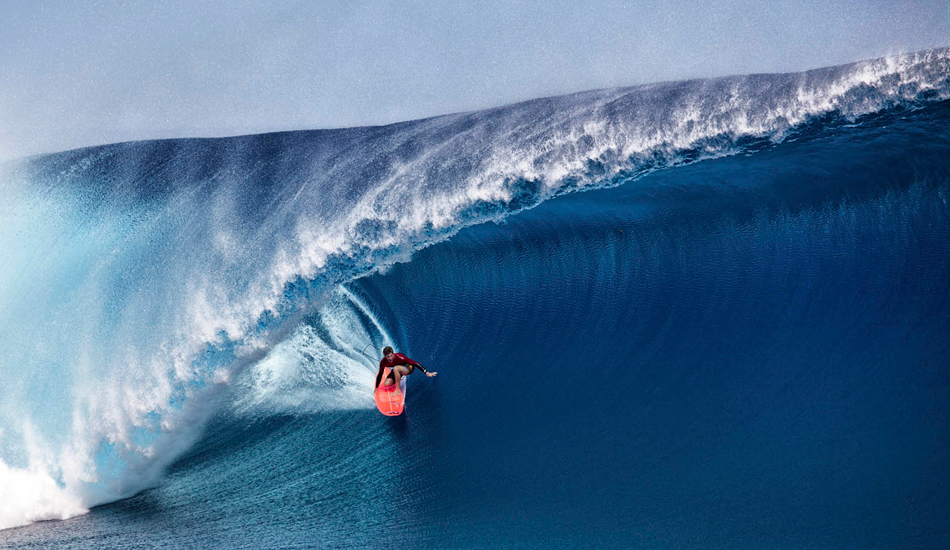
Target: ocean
x,y
702,314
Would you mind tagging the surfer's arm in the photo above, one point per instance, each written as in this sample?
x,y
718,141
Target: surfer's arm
x,y
423,369
416,364
407,361
379,376
403,360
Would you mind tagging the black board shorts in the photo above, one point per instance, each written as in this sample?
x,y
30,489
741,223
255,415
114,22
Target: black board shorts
x,y
412,369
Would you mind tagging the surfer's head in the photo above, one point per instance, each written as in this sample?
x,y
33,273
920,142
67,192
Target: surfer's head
x,y
387,351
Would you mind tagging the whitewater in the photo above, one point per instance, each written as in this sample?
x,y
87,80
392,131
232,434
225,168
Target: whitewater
x,y
709,313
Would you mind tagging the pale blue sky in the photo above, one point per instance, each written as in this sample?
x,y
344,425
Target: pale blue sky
x,y
84,73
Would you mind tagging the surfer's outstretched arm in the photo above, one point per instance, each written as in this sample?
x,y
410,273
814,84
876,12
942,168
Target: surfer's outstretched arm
x,y
379,376
429,374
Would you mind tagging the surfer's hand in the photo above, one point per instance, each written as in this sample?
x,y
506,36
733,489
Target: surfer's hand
x,y
431,374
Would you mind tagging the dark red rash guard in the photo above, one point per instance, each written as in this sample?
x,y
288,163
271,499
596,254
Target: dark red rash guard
x,y
398,359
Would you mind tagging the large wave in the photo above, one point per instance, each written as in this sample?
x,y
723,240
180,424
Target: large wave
x,y
149,285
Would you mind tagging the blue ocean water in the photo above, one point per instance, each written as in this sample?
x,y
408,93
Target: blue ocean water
x,y
705,314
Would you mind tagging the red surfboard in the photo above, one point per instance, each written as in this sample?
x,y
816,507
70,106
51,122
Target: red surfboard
x,y
387,401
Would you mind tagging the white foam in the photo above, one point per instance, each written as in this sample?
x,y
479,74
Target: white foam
x,y
33,495
308,372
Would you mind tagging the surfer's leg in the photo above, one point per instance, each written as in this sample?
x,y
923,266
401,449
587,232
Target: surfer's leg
x,y
398,372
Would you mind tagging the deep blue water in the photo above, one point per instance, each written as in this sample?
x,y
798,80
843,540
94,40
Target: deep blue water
x,y
729,338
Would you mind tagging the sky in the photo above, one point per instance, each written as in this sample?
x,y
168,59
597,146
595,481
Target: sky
x,y
74,74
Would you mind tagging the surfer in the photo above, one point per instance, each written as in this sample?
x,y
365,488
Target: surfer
x,y
401,365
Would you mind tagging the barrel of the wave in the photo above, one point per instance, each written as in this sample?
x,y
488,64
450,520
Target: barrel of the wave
x,y
388,401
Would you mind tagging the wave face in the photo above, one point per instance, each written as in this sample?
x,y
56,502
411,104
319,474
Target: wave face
x,y
735,337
